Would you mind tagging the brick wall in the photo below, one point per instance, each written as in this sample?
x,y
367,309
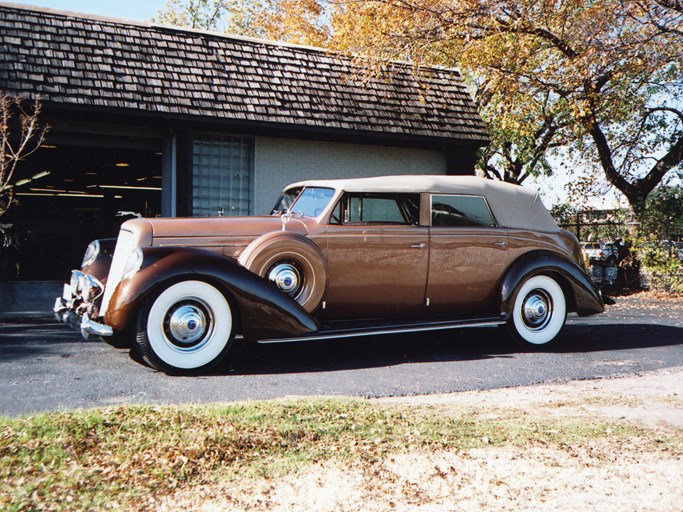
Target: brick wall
x,y
279,162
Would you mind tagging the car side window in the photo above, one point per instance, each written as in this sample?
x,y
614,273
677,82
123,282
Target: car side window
x,y
461,211
365,208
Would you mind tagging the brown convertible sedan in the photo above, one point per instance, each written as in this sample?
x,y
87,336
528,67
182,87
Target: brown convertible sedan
x,y
336,258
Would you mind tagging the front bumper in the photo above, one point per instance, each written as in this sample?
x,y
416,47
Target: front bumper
x,y
74,312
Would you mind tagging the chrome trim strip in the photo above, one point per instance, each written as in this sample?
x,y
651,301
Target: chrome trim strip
x,y
370,332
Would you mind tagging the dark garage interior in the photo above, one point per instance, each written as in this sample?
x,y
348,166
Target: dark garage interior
x,y
66,196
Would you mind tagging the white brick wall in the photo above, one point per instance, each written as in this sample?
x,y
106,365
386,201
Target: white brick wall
x,y
279,162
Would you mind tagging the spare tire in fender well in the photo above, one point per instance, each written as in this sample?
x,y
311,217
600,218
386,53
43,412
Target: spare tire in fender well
x,y
297,258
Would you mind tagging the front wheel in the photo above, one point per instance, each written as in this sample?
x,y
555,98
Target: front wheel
x,y
186,328
539,312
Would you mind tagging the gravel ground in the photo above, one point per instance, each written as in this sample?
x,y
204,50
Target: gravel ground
x,y
610,474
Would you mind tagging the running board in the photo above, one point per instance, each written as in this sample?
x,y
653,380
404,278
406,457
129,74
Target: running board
x,y
332,334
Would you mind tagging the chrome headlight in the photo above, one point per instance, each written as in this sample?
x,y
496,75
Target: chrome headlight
x,y
133,263
85,287
91,253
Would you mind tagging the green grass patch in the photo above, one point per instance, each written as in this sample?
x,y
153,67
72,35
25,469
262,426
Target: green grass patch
x,y
127,457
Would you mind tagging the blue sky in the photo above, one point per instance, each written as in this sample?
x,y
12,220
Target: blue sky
x,y
140,10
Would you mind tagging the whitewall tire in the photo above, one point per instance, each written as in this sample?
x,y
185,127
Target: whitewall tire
x,y
539,312
186,328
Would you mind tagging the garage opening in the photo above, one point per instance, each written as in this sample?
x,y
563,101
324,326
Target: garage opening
x,y
70,194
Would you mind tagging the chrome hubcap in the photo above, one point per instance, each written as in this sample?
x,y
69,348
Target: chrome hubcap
x,y
537,310
187,324
286,277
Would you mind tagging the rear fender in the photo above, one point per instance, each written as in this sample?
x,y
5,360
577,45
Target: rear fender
x,y
583,297
264,311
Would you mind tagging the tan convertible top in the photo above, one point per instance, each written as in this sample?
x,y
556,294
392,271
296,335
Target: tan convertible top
x,y
512,205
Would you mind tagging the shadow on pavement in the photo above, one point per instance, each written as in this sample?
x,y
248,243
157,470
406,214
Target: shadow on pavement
x,y
34,339
454,345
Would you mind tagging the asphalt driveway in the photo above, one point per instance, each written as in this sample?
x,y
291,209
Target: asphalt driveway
x,y
44,366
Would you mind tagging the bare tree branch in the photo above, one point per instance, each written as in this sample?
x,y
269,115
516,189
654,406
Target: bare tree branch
x,y
15,148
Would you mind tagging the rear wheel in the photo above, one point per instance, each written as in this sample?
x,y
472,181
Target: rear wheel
x,y
186,328
539,312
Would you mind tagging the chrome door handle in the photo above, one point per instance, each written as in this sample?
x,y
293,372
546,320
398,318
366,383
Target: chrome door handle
x,y
418,246
502,243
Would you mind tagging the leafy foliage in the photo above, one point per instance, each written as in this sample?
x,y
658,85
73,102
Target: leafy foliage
x,y
662,268
663,216
295,21
661,224
198,14
600,76
565,213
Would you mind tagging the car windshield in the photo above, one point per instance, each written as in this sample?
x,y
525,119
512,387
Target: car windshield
x,y
310,201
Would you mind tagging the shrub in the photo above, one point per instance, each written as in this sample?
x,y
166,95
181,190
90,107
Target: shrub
x,y
661,268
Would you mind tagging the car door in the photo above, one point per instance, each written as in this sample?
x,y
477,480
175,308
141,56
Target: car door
x,y
468,255
377,257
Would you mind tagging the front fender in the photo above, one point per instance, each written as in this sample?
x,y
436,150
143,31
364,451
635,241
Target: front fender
x,y
264,311
99,269
586,298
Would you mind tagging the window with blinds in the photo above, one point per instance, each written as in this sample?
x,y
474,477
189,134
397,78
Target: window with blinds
x,y
221,176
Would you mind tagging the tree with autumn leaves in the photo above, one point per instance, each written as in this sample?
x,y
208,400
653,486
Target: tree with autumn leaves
x,y
595,84
295,21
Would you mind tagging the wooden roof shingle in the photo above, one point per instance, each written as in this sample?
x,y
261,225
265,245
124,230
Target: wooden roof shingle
x,y
73,59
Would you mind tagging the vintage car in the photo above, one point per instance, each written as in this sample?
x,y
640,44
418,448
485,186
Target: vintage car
x,y
335,259
601,252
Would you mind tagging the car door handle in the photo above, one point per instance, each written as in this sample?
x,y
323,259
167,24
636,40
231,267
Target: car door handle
x,y
418,246
501,243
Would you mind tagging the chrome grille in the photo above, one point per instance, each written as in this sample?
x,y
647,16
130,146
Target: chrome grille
x,y
125,245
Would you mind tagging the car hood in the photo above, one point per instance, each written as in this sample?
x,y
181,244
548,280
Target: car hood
x,y
225,235
212,227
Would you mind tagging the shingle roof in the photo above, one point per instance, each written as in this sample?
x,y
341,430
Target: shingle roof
x,y
74,59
